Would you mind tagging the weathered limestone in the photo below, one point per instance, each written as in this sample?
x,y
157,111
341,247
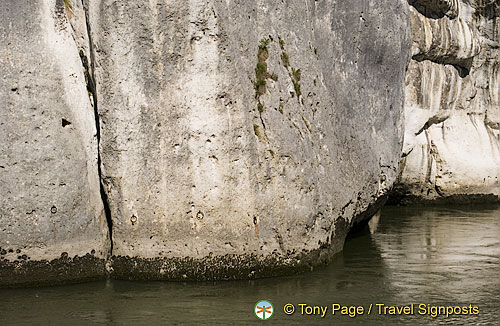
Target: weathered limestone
x,y
243,138
233,139
52,224
452,144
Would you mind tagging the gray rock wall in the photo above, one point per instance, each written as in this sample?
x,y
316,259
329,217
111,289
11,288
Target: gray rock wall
x,y
52,223
241,139
232,139
452,144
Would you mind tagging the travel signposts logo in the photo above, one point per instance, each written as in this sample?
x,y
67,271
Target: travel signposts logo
x,y
264,310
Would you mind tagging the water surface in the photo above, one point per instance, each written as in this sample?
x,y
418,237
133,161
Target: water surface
x,y
443,257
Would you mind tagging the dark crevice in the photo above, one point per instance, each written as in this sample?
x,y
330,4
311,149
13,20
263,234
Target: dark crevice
x,y
433,9
405,154
462,71
438,191
427,11
65,123
463,66
432,121
89,67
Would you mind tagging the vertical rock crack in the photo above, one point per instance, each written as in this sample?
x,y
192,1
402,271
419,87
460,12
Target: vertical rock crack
x,y
89,66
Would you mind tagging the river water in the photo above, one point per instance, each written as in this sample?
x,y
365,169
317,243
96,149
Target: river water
x,y
448,256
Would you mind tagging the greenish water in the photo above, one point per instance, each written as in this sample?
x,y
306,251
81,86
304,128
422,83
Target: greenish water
x,y
442,257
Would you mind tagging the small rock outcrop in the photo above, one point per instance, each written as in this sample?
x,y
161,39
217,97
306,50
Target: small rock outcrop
x,y
452,144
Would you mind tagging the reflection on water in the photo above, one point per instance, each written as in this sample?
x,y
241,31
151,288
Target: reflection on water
x,y
433,256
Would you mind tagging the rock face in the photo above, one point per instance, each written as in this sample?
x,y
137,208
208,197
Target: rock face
x,y
243,138
225,139
452,144
52,222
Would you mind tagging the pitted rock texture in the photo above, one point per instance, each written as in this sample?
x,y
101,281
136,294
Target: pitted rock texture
x,y
236,131
229,139
452,144
50,204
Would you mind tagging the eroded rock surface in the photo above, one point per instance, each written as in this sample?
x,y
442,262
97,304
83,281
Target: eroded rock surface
x,y
243,138
232,139
52,223
452,144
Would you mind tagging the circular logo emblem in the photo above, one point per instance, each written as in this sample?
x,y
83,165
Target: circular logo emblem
x,y
264,309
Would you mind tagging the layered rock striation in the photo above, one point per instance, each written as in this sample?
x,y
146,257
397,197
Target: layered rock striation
x,y
452,144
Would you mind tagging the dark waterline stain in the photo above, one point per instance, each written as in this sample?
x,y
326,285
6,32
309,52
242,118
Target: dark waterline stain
x,y
440,256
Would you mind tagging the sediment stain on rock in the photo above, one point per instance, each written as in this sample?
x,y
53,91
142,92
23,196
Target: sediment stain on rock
x,y
452,134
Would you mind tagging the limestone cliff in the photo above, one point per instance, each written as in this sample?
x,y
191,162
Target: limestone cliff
x,y
232,139
242,138
452,144
52,222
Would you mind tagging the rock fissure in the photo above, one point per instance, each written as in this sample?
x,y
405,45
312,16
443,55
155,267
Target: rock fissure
x,y
89,68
